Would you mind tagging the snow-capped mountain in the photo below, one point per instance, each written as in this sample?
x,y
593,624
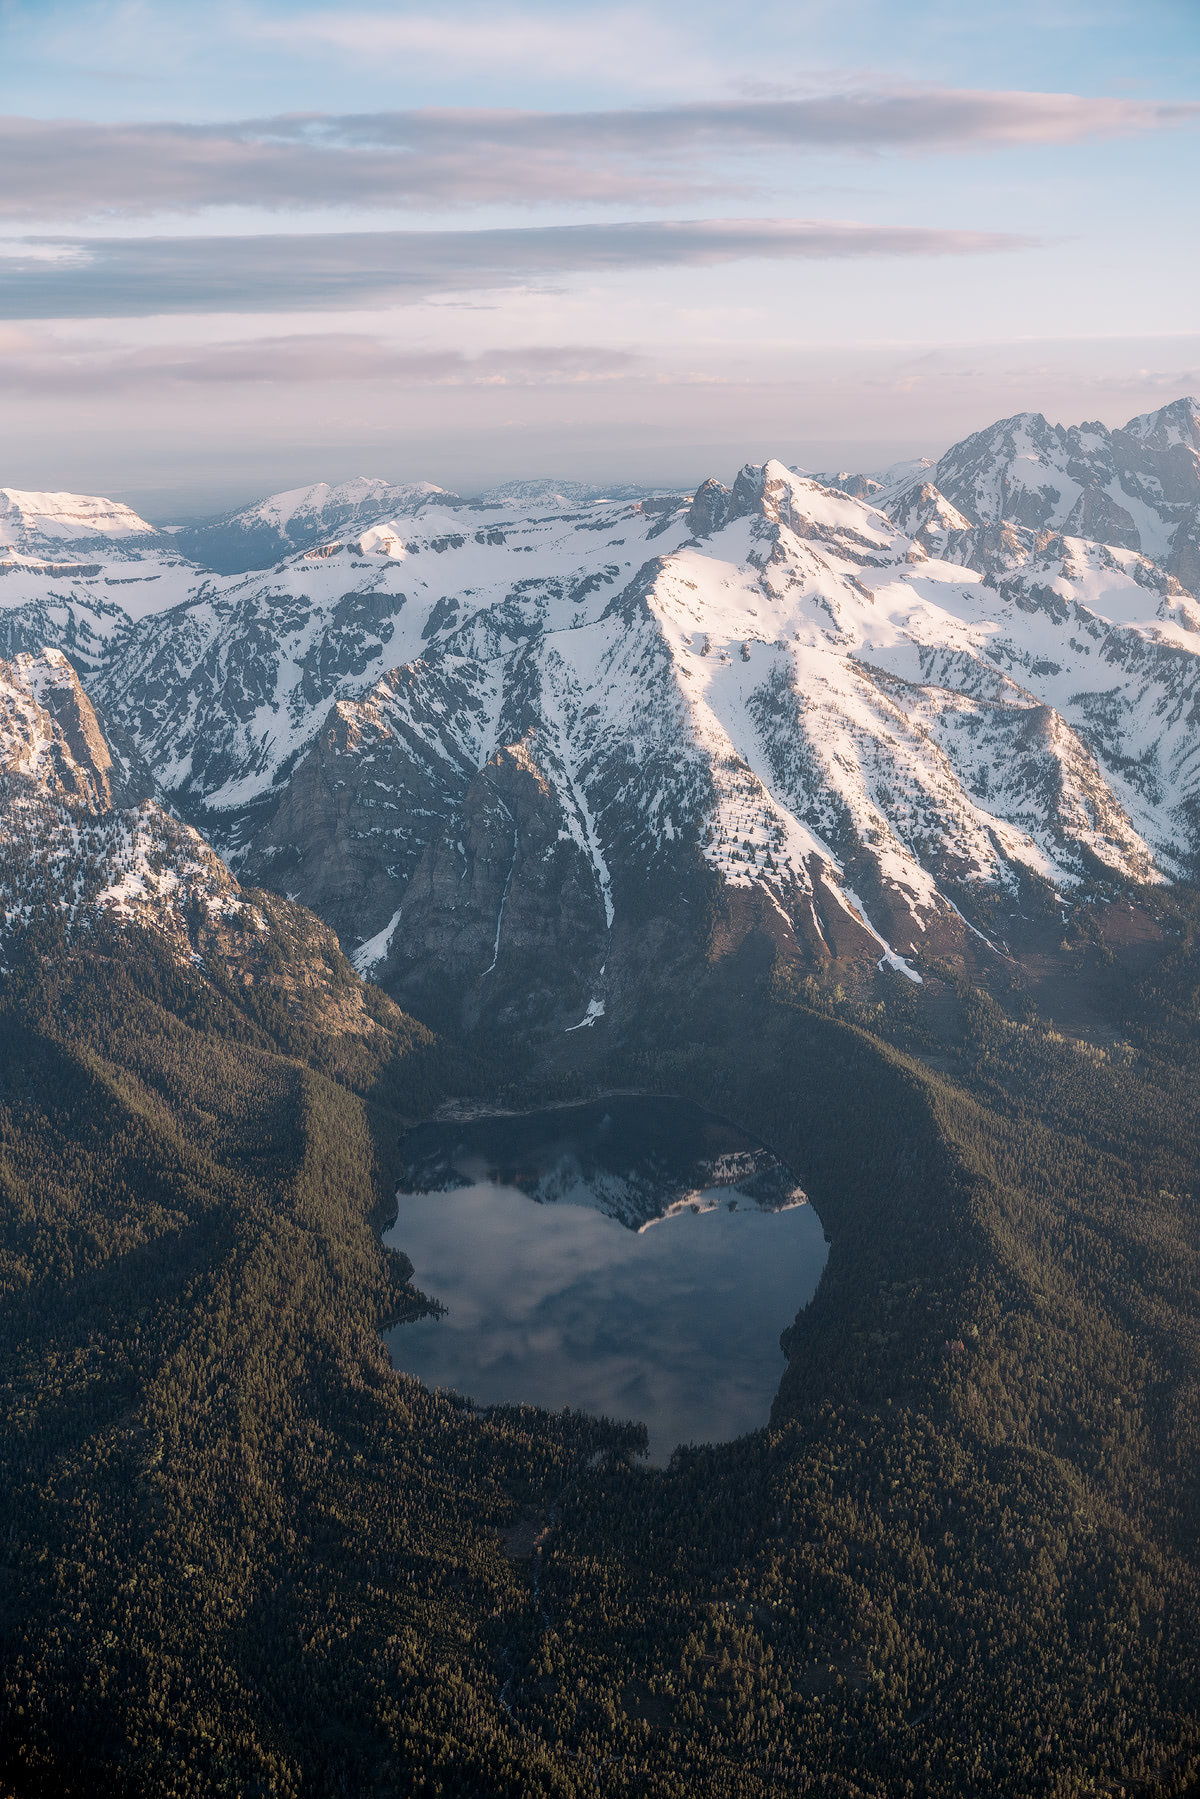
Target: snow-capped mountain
x,y
500,747
465,744
260,535
41,524
876,482
547,495
85,597
76,570
1137,487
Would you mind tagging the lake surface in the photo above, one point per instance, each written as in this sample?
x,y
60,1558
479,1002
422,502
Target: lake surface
x,y
635,1257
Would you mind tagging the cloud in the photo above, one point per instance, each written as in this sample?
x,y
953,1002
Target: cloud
x,y
75,169
139,277
46,366
565,45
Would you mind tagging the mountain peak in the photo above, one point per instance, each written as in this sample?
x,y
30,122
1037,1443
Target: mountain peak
x,y
779,494
808,694
1177,423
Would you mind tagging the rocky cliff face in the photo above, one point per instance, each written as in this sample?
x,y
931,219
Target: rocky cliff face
x,y
506,909
79,838
84,850
51,738
381,777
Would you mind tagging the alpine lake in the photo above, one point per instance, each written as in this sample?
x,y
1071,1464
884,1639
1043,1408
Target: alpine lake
x,y
636,1258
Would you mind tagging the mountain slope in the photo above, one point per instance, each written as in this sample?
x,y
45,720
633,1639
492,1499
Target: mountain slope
x,y
502,749
1137,488
81,839
241,1555
260,535
550,759
82,598
75,569
862,726
88,858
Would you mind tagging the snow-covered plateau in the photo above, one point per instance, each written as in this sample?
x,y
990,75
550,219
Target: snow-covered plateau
x,y
479,735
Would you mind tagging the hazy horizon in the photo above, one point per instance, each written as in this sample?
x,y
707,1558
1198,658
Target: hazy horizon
x,y
199,494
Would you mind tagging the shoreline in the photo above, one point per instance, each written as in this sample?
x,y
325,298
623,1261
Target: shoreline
x,y
467,1111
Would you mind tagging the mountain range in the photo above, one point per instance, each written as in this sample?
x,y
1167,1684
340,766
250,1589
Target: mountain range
x,y
514,750
857,809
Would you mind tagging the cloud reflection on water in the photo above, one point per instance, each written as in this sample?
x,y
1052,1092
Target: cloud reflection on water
x,y
562,1305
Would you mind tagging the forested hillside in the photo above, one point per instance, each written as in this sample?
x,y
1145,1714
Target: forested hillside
x,y
242,1556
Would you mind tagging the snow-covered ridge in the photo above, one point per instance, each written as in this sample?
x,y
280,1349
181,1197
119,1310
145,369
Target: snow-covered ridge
x,y
548,495
367,495
861,718
84,600
875,485
301,518
465,732
1137,488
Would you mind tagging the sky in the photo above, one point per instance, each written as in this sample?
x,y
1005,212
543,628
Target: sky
x,y
249,246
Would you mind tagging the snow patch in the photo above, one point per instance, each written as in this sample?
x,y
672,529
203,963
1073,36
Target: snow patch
x,y
376,949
